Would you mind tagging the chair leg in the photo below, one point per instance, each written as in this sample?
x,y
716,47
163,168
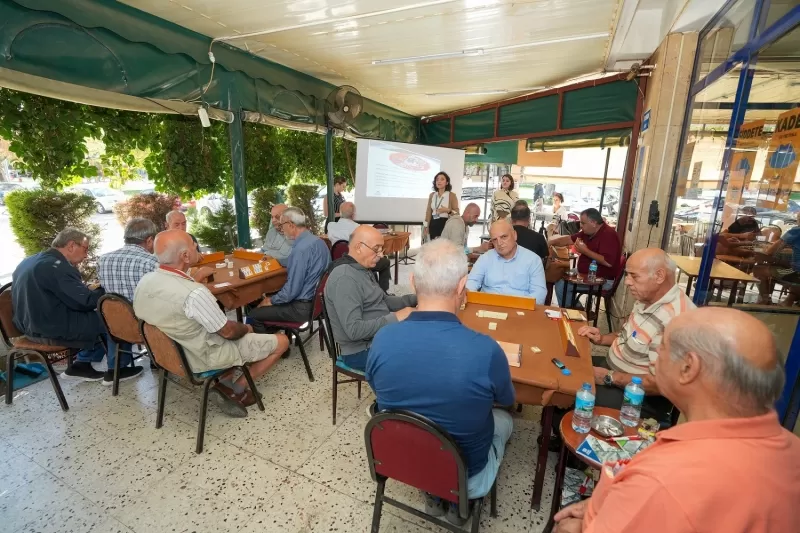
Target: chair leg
x,y
115,386
334,389
305,359
56,385
376,512
321,328
162,395
494,499
10,377
201,427
608,313
476,515
359,389
252,385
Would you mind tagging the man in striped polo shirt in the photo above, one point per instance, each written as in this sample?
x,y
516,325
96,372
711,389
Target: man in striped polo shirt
x,y
650,278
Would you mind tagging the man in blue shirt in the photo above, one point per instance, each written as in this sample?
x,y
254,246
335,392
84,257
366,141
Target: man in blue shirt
x,y
771,270
436,367
508,269
306,264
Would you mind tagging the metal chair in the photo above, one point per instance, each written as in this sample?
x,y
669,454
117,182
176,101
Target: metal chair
x,y
172,359
19,347
609,294
121,323
411,449
338,249
338,366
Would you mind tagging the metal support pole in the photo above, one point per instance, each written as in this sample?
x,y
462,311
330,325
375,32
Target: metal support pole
x,y
329,172
605,177
486,202
239,185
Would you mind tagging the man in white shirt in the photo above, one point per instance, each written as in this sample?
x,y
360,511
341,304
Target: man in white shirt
x,y
342,229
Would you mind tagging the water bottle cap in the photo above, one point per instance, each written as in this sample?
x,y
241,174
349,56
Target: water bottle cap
x,y
587,386
637,380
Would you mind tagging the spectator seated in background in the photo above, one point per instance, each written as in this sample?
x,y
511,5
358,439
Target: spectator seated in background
x,y
342,229
357,307
595,242
650,278
770,268
53,306
434,366
730,467
177,220
276,245
456,230
189,314
508,268
527,238
738,238
306,264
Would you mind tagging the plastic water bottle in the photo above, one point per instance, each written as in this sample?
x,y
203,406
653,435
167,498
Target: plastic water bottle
x,y
584,406
631,410
593,271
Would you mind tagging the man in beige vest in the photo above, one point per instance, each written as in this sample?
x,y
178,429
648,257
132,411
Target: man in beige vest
x,y
188,313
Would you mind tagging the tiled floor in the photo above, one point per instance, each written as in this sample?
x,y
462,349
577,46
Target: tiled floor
x,y
104,467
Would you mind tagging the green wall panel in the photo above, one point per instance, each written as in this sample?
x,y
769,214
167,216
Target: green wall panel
x,y
603,104
436,132
479,125
532,116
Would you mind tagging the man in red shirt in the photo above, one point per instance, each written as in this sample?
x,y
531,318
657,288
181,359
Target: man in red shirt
x,y
730,467
596,241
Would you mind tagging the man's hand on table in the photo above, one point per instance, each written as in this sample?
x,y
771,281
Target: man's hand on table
x,y
593,334
403,313
266,302
201,274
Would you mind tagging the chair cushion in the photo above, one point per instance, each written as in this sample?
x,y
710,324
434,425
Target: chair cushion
x,y
23,343
342,365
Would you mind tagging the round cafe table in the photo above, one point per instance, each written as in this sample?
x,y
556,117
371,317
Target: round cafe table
x,y
582,283
570,440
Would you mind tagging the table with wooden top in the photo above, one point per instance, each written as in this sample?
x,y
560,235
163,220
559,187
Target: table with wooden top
x,y
720,270
537,381
393,243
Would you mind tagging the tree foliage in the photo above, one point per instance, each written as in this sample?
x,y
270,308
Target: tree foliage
x,y
302,195
263,200
152,206
215,230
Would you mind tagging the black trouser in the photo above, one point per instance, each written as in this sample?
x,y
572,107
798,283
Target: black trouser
x,y
384,271
436,227
297,311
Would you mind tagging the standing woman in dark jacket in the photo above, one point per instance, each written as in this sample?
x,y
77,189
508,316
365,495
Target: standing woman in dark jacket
x,y
442,203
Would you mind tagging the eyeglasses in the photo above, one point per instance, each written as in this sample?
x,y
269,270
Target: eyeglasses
x,y
378,250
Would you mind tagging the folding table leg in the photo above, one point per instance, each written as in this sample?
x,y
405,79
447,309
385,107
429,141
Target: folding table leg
x,y
541,463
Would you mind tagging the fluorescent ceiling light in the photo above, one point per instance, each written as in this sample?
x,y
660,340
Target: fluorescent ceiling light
x,y
481,51
413,59
478,93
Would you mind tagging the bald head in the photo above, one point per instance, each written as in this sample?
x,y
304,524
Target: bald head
x,y
471,213
347,210
650,274
719,359
503,238
364,242
175,248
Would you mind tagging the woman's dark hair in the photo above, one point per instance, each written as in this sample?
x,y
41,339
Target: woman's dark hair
x,y
510,177
447,187
559,196
339,180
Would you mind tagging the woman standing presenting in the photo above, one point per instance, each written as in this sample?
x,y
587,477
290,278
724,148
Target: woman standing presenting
x,y
441,204
504,198
339,184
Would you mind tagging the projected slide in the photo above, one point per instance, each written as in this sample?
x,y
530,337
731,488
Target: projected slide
x,y
395,172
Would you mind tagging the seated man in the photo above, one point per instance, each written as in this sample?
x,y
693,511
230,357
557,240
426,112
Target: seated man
x,y
456,229
436,367
731,467
357,307
53,306
527,238
595,242
276,245
188,313
770,269
508,269
343,228
306,264
650,278
743,231
177,220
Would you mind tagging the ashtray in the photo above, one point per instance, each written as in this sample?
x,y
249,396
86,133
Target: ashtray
x,y
607,426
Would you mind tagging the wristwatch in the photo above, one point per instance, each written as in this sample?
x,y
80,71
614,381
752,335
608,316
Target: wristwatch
x,y
609,379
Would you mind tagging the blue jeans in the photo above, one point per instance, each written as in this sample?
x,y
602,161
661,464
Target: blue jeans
x,y
559,291
479,485
96,353
356,361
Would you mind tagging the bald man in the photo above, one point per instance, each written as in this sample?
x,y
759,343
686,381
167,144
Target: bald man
x,y
633,351
276,244
456,230
356,304
731,467
188,313
508,268
177,220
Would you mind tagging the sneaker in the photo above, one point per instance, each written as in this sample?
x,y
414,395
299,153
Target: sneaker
x,y
453,517
227,405
434,505
82,372
126,372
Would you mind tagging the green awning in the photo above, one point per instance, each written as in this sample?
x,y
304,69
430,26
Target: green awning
x,y
505,152
598,139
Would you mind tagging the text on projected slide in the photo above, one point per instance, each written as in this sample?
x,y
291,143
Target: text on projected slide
x,y
397,173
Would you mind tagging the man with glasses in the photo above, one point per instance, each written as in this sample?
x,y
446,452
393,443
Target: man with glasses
x,y
276,245
508,269
306,264
356,304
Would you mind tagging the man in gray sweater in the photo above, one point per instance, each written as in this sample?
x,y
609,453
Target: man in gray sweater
x,y
356,304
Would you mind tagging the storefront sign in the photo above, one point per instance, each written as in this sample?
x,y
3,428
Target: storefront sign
x,y
781,167
645,121
743,160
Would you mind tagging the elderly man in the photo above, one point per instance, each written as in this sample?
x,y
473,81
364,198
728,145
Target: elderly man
x,y
305,266
177,220
436,367
526,237
595,242
650,278
456,230
731,467
53,306
508,268
188,313
276,245
343,228
356,305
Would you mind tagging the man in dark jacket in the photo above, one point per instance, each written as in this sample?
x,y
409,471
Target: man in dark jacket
x,y
53,306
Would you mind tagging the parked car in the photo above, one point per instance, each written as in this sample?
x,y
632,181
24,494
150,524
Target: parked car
x,y
6,188
105,199
212,203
